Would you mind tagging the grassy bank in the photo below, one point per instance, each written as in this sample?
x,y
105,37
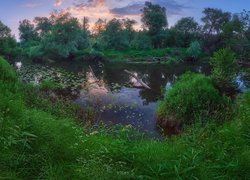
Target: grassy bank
x,y
141,55
39,141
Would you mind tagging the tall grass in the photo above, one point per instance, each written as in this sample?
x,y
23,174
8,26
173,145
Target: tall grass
x,y
38,144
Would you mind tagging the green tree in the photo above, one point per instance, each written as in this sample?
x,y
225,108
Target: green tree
x,y
154,19
224,69
214,20
186,30
114,36
4,30
128,25
27,31
194,50
187,25
66,36
8,45
43,25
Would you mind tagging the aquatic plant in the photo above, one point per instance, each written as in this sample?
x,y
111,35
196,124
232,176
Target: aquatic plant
x,y
49,77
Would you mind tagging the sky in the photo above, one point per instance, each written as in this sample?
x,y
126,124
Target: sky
x,y
12,11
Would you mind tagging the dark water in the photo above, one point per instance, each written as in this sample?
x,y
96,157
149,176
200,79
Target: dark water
x,y
118,99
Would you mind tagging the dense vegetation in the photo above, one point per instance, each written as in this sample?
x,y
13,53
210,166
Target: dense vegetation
x,y
61,36
194,98
46,137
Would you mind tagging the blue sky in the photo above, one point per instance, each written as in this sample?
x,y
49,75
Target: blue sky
x,y
12,11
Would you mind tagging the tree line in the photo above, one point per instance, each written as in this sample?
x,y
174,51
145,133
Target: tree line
x,y
63,36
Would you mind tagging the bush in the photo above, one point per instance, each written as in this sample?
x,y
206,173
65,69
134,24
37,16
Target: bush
x,y
141,42
224,68
193,97
7,73
194,50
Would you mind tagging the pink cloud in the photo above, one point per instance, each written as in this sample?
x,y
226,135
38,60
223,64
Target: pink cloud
x,y
95,9
58,3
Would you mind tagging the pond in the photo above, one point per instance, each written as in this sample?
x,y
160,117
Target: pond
x,y
118,98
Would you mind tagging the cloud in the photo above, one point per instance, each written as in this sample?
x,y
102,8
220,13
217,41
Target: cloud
x,y
58,3
109,9
95,9
31,5
172,7
133,9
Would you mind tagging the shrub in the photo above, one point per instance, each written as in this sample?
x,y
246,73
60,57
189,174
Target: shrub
x,y
194,50
7,73
193,97
224,68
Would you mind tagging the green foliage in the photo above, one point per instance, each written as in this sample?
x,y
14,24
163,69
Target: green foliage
x,y
35,52
4,30
141,41
65,37
194,50
56,37
8,44
224,68
214,20
96,53
135,55
114,37
193,98
175,38
187,25
27,31
235,35
154,18
7,73
89,54
43,25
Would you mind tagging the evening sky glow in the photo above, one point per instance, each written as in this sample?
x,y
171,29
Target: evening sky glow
x,y
12,11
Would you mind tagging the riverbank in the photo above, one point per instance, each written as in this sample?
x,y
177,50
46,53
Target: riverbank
x,y
146,56
40,141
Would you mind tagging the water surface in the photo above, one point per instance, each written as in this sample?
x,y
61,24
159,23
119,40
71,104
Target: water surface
x,y
120,99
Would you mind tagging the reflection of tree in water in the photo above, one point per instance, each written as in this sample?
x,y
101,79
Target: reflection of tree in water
x,y
115,75
155,81
156,76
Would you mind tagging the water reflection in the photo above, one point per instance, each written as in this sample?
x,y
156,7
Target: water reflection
x,y
120,99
